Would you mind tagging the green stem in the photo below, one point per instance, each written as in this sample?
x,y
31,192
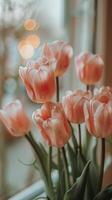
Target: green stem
x,y
32,143
90,87
50,166
87,87
59,154
50,160
59,169
102,164
57,89
80,140
65,168
74,141
61,189
49,188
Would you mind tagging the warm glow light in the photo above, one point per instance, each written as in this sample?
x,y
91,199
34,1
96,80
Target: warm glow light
x,y
34,40
22,43
26,50
30,24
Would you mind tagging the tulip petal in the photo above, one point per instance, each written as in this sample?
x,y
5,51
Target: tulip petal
x,y
15,119
53,125
89,67
103,121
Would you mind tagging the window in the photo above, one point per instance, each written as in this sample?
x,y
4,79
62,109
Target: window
x,y
38,21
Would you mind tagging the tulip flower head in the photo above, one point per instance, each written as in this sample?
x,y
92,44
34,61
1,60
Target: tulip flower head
x,y
98,114
73,104
89,68
62,53
104,91
15,119
52,123
39,81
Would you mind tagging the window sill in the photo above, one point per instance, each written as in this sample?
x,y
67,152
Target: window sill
x,y
33,191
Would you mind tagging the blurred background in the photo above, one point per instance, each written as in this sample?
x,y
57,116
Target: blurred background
x,y
24,27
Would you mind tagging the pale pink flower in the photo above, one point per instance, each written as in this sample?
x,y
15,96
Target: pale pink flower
x,y
52,123
98,114
60,52
15,119
73,104
39,81
89,68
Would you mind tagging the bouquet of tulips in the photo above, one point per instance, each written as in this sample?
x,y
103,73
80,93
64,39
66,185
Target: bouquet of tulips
x,y
79,170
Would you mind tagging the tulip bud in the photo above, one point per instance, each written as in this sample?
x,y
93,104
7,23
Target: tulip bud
x,y
39,81
15,119
52,123
61,52
89,68
73,104
98,114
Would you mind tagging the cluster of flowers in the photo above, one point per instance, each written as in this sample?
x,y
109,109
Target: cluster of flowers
x,y
79,106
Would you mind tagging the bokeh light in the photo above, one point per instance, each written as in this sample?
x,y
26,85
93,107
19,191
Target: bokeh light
x,y
31,24
22,43
26,50
34,40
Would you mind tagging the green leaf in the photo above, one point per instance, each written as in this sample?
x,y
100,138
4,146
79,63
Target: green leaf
x,y
92,182
92,150
81,162
75,145
41,160
78,189
87,142
44,152
73,138
77,162
73,161
106,194
109,140
60,186
108,162
45,155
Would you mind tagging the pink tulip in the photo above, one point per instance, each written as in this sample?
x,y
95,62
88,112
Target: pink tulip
x,y
61,53
15,119
104,91
53,125
73,104
89,68
39,81
98,115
